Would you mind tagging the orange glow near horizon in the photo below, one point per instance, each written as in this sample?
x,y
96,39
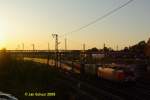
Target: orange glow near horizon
x,y
34,21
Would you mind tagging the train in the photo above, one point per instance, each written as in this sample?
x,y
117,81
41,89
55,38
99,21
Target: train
x,y
112,72
121,73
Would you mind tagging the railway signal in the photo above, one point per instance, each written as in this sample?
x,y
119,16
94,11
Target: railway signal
x,y
56,49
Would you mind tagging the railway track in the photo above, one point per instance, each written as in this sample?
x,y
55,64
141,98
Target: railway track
x,y
106,90
118,90
92,91
78,92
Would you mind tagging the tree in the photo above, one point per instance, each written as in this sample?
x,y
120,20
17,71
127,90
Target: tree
x,y
147,48
126,49
93,49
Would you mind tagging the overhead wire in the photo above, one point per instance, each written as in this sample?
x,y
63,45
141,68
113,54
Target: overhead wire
x,y
98,19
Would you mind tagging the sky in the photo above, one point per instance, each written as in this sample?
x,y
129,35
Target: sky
x,y
34,22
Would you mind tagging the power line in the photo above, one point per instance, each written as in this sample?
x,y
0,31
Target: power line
x,y
99,18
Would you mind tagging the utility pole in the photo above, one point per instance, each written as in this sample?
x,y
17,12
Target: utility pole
x,y
48,47
84,47
82,63
56,49
18,47
104,46
22,50
65,44
83,54
22,46
48,54
117,47
33,46
56,41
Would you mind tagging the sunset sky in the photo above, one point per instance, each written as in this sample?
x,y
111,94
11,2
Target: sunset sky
x,y
34,21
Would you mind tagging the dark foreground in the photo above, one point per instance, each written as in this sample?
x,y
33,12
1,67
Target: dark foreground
x,y
27,80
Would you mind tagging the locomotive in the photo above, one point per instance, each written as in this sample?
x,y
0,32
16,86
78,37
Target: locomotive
x,y
116,73
112,72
